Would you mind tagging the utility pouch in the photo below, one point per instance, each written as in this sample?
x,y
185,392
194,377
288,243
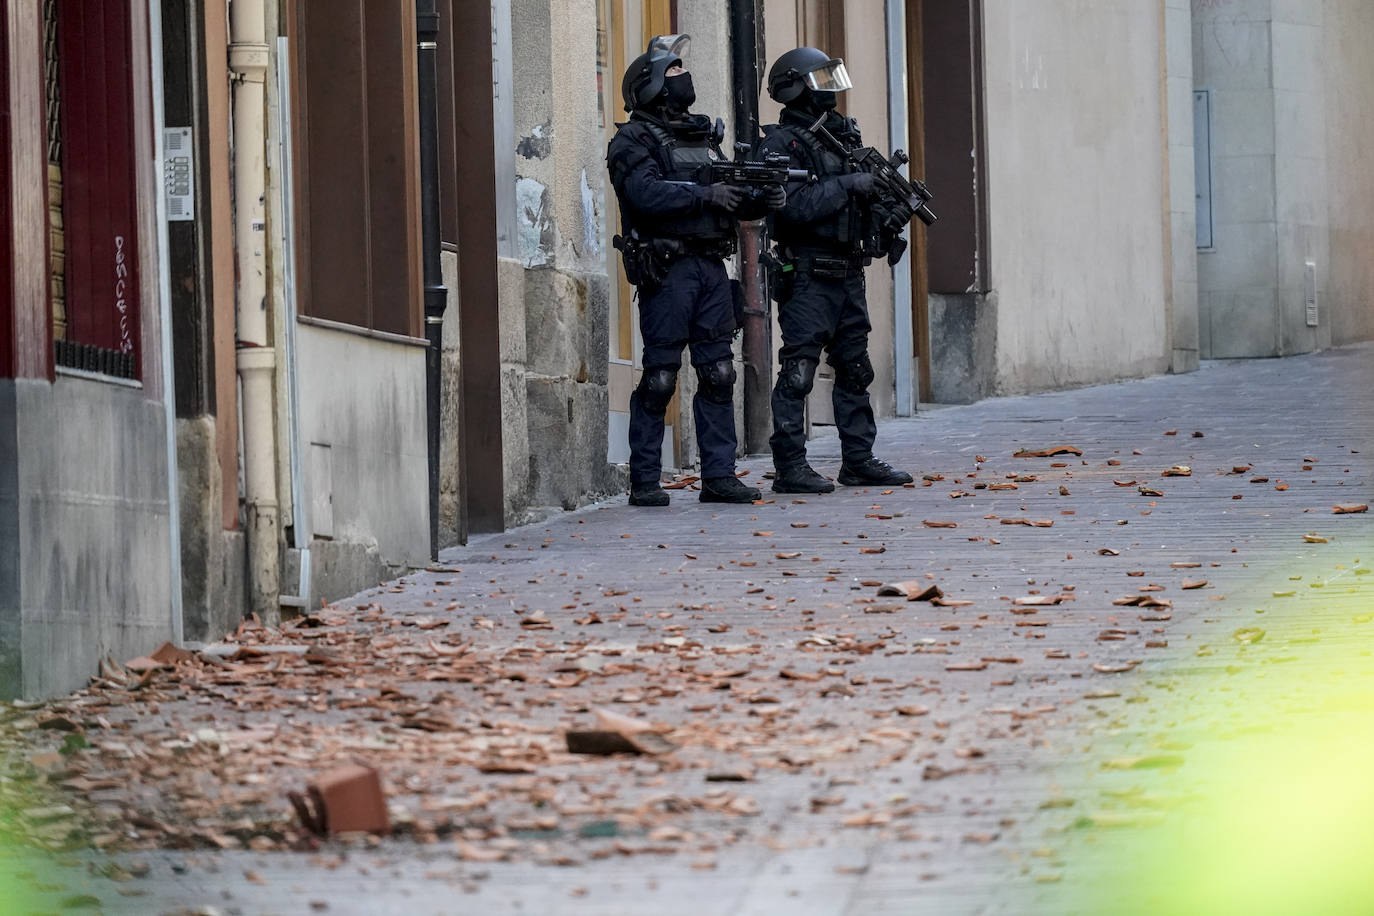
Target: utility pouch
x,y
659,257
783,281
630,256
737,300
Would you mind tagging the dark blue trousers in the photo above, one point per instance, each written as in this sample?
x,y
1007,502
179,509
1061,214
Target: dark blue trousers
x,y
828,314
693,307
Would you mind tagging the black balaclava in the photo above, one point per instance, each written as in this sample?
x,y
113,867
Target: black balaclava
x,y
815,102
679,93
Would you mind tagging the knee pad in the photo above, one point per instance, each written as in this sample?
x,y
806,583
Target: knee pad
x,y
854,375
717,381
797,377
656,387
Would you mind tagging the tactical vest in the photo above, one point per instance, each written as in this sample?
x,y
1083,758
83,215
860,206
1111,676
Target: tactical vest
x,y
842,231
686,161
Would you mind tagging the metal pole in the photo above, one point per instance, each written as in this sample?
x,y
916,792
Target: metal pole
x,y
164,289
758,314
436,295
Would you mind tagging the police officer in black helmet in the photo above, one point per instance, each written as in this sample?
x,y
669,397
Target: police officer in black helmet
x,y
679,228
820,234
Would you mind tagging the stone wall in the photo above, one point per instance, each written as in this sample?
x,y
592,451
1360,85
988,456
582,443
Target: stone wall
x,y
212,559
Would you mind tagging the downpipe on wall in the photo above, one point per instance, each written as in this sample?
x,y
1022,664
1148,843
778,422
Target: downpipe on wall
x,y
758,314
436,294
255,355
164,280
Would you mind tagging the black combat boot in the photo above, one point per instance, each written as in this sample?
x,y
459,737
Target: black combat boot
x,y
648,494
727,490
800,478
872,472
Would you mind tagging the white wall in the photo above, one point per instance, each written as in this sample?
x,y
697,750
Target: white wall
x,y
1075,166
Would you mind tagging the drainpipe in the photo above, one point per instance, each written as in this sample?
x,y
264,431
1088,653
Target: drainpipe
x,y
164,289
758,311
256,358
436,295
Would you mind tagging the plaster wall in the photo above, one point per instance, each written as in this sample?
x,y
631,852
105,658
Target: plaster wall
x,y
1348,300
365,467
86,508
1075,163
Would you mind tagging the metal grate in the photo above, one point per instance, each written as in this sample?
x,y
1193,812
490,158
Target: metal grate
x,y
89,358
57,240
50,78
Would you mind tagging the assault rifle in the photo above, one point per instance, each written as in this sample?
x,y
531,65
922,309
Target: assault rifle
x,y
754,176
770,171
901,198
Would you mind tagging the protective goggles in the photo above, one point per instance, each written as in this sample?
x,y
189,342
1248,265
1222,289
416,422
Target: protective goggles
x,y
829,77
676,45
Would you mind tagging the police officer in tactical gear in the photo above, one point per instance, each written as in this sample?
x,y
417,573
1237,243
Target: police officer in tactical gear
x,y
820,235
678,229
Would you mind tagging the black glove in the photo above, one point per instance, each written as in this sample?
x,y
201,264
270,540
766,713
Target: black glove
x,y
724,197
860,184
775,197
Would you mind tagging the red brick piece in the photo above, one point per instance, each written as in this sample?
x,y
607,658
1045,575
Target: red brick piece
x,y
345,800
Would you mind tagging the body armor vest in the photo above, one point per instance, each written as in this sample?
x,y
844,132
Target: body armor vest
x,y
842,231
685,160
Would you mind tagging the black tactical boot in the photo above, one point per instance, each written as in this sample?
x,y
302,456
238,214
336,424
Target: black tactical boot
x,y
872,473
727,490
648,494
801,478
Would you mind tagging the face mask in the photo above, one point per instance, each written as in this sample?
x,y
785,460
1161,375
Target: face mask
x,y
681,94
825,101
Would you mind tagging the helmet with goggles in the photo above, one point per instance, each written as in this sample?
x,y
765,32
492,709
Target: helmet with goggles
x,y
806,68
644,77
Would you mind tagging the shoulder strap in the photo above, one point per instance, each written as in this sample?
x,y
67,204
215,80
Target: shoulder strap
x,y
811,144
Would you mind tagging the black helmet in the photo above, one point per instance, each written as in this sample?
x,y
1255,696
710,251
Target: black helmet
x,y
806,68
644,77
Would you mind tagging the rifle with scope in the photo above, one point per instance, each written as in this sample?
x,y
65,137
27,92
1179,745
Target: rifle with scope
x,y
901,198
754,176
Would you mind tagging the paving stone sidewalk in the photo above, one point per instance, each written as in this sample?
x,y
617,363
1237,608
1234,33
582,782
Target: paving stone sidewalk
x,y
900,757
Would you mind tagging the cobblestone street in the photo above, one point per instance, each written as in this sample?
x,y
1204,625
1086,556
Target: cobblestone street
x,y
838,751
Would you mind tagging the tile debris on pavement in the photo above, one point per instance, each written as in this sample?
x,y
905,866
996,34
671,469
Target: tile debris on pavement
x,y
833,704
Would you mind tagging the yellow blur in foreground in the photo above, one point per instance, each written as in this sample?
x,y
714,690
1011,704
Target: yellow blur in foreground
x,y
1286,825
